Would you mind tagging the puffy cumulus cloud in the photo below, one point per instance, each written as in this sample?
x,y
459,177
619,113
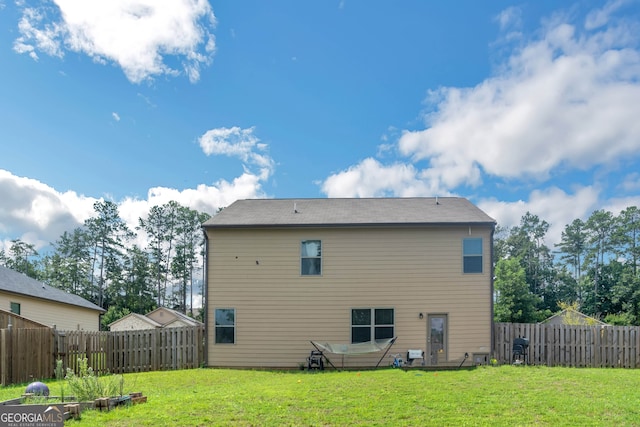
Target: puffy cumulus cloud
x,y
203,198
36,213
240,143
566,99
136,35
370,178
553,205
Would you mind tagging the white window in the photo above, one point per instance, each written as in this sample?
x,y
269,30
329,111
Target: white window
x,y
311,258
225,319
472,255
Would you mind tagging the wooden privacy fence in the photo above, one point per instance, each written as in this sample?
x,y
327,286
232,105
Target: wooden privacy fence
x,y
570,345
30,354
121,352
25,354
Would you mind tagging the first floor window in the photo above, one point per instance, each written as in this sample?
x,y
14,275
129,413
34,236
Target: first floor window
x,y
225,325
472,255
15,308
371,324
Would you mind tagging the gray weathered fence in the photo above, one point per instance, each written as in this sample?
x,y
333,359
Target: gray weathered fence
x,y
133,351
570,345
30,354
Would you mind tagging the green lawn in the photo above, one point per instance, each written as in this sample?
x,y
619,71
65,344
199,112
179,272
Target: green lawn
x,y
495,396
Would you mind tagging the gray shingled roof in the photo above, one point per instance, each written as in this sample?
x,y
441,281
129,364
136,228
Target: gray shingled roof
x,y
349,212
18,283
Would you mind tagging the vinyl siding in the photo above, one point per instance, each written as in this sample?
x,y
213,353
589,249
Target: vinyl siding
x,y
131,324
64,317
412,270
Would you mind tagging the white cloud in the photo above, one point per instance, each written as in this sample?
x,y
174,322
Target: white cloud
x,y
564,101
631,183
115,116
240,143
567,99
370,178
600,17
38,214
32,37
135,35
553,205
509,18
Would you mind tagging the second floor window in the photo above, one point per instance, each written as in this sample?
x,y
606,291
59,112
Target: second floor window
x,y
311,258
472,255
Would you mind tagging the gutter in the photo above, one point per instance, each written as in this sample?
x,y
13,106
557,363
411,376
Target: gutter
x,y
205,303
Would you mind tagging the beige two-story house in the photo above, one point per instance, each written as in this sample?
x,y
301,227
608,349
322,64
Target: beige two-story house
x,y
283,273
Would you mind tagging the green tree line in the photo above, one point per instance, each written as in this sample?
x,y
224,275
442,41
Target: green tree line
x,y
101,262
594,267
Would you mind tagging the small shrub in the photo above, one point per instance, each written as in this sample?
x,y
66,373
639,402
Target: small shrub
x,y
60,377
87,386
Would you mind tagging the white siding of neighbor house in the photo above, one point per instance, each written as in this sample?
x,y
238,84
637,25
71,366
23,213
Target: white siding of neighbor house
x,y
131,323
278,311
64,317
178,323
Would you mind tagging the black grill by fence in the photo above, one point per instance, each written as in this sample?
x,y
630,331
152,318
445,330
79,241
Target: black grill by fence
x,y
570,345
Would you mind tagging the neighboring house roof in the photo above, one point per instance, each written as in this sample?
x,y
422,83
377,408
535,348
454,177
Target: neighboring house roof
x,y
21,284
572,317
136,316
165,316
349,212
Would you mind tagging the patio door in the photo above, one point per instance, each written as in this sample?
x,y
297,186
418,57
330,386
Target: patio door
x,y
436,339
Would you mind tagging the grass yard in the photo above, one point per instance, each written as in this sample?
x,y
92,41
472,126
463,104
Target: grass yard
x,y
495,396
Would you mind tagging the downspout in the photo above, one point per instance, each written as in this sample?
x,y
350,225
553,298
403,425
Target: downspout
x,y
491,279
205,303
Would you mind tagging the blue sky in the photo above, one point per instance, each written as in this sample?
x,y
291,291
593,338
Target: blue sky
x,y
518,106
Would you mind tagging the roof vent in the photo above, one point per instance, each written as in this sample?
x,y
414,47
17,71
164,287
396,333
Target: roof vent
x,y
295,208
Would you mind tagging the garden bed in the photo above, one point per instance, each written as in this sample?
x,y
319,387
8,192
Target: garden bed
x,y
70,407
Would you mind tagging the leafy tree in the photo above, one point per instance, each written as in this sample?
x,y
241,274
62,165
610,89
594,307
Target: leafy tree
x,y
598,302
573,246
600,228
20,259
112,314
625,295
189,245
134,290
160,228
515,303
69,266
526,243
108,234
626,237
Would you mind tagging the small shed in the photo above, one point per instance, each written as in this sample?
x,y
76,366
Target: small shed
x,y
159,318
169,318
134,322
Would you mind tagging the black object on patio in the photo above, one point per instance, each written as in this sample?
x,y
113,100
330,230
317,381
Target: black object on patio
x,y
519,351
